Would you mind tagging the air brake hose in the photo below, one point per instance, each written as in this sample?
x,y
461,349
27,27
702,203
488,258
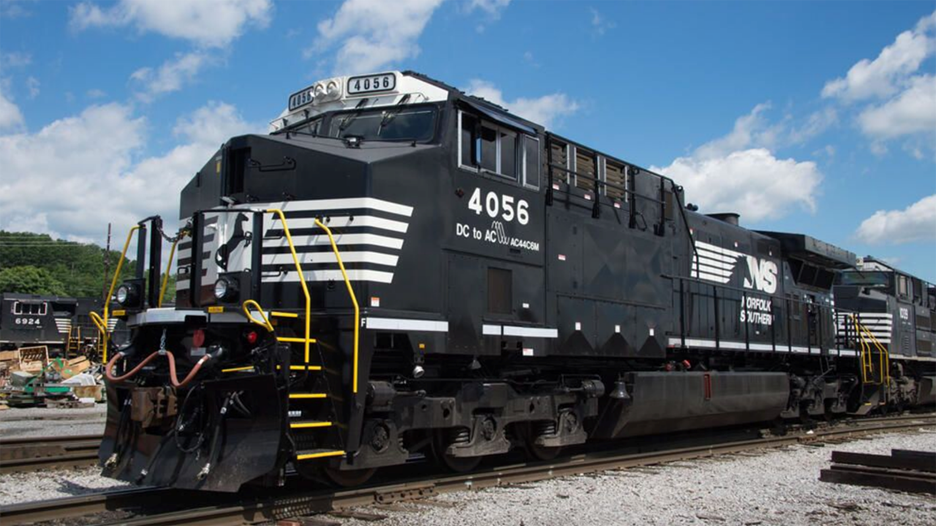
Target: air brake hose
x,y
172,367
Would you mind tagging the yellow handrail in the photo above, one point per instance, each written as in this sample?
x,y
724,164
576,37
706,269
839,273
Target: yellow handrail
x,y
865,336
357,310
265,323
110,293
305,290
165,281
302,281
97,321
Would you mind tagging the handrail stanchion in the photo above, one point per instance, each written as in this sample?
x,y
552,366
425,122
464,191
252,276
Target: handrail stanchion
x,y
302,280
110,292
165,280
357,311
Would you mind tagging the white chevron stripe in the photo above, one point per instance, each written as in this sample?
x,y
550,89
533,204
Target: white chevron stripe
x,y
716,263
340,240
716,271
371,203
315,258
346,221
333,275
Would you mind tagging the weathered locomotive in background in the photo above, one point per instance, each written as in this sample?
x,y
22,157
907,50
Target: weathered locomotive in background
x,y
53,321
399,269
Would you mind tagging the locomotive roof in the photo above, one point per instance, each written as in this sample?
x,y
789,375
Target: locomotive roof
x,y
813,250
36,297
872,263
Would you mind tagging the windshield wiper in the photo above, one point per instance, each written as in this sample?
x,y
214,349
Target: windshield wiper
x,y
392,113
347,121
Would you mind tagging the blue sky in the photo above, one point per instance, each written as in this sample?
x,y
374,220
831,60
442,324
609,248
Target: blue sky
x,y
815,117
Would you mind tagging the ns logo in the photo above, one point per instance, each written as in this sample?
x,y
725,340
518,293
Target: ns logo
x,y
761,275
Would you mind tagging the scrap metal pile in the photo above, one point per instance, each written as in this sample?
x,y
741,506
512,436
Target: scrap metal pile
x,y
30,377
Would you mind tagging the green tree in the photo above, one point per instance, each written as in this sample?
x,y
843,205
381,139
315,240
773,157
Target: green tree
x,y
28,279
78,267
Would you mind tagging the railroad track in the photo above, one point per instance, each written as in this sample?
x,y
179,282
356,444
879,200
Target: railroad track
x,y
215,509
40,453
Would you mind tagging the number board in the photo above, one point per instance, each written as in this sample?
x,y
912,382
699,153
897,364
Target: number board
x,y
300,98
371,83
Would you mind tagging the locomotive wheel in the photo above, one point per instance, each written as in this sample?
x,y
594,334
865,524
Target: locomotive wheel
x,y
536,451
349,478
543,453
457,464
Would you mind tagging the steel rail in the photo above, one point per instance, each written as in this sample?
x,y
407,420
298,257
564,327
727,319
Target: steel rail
x,y
40,453
219,509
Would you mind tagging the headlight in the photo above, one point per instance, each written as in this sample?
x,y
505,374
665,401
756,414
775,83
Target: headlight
x,y
123,294
333,90
318,93
225,289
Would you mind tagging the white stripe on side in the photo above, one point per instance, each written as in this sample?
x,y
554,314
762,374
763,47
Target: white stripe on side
x,y
340,240
314,258
347,221
371,203
491,330
403,324
291,275
730,345
530,332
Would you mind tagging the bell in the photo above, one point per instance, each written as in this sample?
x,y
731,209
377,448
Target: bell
x,y
620,391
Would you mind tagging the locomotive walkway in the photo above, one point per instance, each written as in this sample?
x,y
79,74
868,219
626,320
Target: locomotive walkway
x,y
146,506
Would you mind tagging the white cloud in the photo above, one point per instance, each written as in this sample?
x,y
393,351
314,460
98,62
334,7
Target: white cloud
x,y
917,222
492,8
883,76
32,84
92,155
14,8
170,76
210,23
546,110
750,129
372,34
740,173
753,183
911,112
600,24
10,115
899,101
96,93
15,59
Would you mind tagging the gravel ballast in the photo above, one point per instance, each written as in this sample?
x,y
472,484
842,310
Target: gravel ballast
x,y
44,421
769,487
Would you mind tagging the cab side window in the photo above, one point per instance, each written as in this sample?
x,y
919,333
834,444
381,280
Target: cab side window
x,y
903,286
488,147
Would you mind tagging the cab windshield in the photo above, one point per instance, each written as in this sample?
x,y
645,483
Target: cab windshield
x,y
386,124
863,279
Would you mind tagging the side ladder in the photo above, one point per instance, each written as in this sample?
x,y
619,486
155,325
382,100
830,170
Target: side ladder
x,y
74,342
312,406
874,364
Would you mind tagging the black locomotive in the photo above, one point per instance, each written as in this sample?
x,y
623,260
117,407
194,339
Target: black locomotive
x,y
53,321
399,269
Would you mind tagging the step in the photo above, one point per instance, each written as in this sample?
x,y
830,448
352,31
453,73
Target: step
x,y
307,424
288,339
303,367
300,396
309,454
